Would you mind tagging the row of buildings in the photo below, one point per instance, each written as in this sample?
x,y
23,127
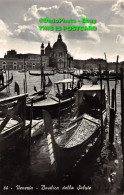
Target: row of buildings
x,y
54,57
51,57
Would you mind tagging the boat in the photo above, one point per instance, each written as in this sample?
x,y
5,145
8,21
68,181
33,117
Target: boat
x,y
68,71
22,70
8,82
41,74
64,99
83,135
41,94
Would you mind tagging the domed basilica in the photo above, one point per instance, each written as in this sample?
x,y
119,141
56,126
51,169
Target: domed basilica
x,y
58,54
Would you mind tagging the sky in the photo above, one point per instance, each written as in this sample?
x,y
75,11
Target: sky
x,y
19,21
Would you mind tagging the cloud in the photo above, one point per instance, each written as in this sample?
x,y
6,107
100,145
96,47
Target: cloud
x,y
4,33
66,10
4,29
116,25
31,13
102,28
120,39
118,8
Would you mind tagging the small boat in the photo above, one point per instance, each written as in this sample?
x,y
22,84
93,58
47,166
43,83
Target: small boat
x,y
56,103
8,82
82,137
41,74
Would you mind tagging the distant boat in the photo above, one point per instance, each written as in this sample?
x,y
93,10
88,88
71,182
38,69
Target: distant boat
x,y
22,70
68,71
41,74
8,82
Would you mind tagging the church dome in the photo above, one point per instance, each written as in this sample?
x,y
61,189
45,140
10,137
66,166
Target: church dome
x,y
59,45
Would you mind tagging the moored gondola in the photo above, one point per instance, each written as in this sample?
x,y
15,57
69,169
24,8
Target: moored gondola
x,y
64,99
41,94
82,136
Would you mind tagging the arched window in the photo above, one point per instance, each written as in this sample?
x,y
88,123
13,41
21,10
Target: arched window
x,y
14,65
33,66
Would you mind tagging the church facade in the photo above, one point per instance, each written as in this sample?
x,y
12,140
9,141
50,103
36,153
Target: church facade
x,y
50,57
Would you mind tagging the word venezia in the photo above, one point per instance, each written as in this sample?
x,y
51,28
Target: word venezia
x,y
60,20
68,28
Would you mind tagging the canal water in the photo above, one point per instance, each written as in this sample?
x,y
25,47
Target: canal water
x,y
34,173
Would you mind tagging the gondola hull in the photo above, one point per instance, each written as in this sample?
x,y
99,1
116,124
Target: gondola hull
x,y
66,156
52,105
39,74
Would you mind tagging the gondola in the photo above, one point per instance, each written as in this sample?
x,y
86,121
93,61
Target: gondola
x,y
8,82
82,137
55,103
41,74
41,94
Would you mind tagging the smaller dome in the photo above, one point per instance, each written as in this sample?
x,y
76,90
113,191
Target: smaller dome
x,y
48,49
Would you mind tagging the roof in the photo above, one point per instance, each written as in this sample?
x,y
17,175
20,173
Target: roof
x,y
91,88
65,81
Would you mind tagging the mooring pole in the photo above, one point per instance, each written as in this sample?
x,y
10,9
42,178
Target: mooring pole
x,y
113,98
31,116
122,114
101,104
107,77
59,111
112,118
116,84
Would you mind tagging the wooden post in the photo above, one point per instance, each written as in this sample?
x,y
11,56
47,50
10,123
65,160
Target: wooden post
x,y
31,116
122,114
107,77
73,82
25,83
111,125
113,98
116,83
8,88
112,118
101,116
59,110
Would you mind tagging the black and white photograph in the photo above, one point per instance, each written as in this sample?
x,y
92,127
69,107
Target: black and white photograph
x,y
62,97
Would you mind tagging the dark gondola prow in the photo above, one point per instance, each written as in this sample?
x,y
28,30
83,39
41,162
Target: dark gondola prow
x,y
7,83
